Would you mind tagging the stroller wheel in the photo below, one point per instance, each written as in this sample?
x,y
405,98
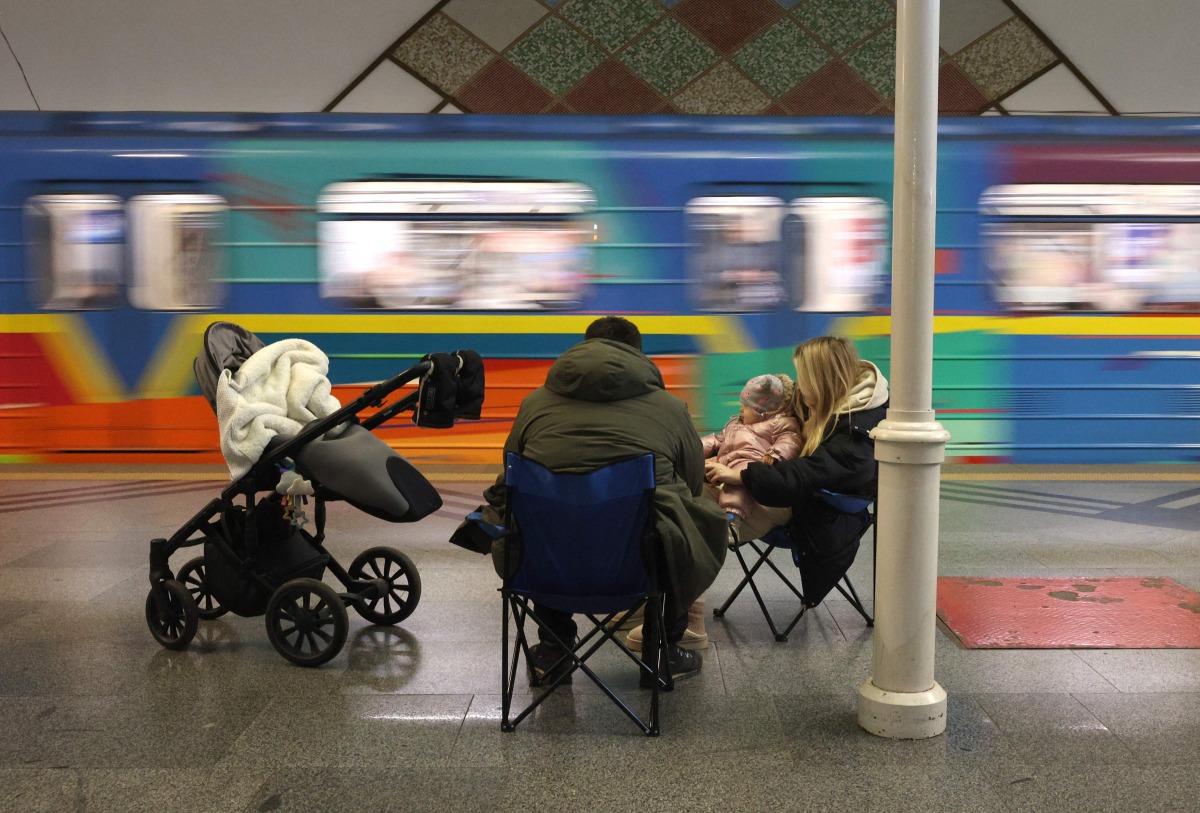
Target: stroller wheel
x,y
194,576
307,622
175,627
404,584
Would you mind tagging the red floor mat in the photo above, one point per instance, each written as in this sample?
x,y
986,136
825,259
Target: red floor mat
x,y
1117,613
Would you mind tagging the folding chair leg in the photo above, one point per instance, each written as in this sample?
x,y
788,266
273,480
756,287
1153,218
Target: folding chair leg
x,y
576,656
764,557
854,600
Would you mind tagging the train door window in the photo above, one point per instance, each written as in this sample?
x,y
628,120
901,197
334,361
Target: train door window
x,y
468,245
735,256
75,246
837,252
176,251
1099,247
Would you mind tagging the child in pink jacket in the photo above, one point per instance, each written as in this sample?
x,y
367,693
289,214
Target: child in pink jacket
x,y
765,430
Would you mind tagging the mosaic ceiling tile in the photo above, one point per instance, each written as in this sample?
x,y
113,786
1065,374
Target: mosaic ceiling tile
x,y
555,55
782,56
723,91
612,23
842,23
1005,58
501,88
497,24
956,95
727,26
964,21
613,88
875,61
835,90
443,54
668,56
789,3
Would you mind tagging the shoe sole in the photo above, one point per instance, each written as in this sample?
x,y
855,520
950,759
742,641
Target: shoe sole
x,y
645,684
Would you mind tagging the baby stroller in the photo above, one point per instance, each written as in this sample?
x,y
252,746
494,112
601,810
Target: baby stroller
x,y
260,560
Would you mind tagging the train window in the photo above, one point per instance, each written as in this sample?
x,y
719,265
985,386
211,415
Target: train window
x,y
75,250
735,256
468,245
836,249
175,249
1099,247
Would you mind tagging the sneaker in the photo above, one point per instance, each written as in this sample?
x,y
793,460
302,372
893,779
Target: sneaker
x,y
683,664
732,538
547,662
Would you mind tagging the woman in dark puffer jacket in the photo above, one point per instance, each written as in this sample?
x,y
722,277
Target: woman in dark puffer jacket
x,y
840,398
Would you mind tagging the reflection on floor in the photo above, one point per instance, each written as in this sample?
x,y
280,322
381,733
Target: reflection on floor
x,y
96,716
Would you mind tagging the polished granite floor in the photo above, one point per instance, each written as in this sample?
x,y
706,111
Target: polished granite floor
x,y
95,716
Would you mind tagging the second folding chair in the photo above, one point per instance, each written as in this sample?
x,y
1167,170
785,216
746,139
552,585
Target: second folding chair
x,y
817,578
583,544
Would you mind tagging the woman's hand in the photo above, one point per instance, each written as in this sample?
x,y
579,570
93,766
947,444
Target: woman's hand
x,y
721,475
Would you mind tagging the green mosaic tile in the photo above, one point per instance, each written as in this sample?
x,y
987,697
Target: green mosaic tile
x,y
612,23
781,57
723,91
668,56
842,23
555,55
443,53
875,62
1005,58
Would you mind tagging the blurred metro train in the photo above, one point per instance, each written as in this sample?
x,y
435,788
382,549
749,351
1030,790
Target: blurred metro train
x,y
1067,321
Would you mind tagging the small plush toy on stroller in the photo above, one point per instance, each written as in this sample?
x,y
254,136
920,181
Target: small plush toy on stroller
x,y
286,438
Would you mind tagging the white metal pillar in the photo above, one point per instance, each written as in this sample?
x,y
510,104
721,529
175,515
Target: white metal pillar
x,y
902,700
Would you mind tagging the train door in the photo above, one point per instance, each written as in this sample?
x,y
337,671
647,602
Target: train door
x,y
784,262
113,269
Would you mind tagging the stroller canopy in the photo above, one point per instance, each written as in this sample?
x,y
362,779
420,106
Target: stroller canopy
x,y
226,346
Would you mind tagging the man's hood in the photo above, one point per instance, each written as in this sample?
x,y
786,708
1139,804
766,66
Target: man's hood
x,y
603,370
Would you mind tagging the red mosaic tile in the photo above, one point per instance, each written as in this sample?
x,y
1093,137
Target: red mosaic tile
x,y
727,26
774,110
558,107
835,90
501,88
613,88
957,95
1109,613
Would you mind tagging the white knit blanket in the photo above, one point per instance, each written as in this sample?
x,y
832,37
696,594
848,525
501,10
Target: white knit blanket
x,y
278,390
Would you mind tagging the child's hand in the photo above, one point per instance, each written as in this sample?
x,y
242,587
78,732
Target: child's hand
x,y
718,474
768,459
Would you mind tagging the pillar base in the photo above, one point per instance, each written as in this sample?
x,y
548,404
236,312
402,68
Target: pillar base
x,y
902,715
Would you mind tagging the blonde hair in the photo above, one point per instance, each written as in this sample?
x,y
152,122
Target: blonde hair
x,y
827,368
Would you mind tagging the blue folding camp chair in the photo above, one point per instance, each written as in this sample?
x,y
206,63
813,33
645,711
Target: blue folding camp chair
x,y
585,545
815,577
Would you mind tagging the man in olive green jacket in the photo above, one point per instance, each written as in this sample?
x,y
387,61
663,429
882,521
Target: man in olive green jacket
x,y
604,401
